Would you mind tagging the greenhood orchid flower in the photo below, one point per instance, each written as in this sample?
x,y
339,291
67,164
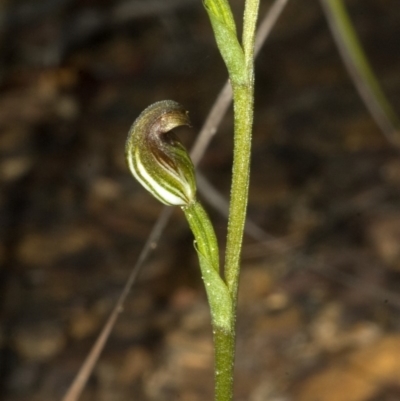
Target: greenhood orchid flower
x,y
157,158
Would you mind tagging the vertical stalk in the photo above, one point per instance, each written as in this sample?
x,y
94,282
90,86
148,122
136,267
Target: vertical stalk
x,y
243,120
239,60
243,101
218,297
224,345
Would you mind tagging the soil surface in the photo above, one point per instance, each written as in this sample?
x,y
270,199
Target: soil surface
x,y
319,299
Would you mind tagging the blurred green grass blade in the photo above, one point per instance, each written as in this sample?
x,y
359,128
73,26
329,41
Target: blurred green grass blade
x,y
360,70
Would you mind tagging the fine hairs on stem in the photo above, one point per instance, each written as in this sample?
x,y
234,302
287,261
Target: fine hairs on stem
x,y
159,161
193,210
210,126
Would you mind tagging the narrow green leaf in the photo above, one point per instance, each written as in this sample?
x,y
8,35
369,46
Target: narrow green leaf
x,y
220,9
207,249
226,37
217,294
361,70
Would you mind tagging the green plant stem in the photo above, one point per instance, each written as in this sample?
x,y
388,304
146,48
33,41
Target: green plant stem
x,y
218,296
203,231
207,250
224,346
249,31
243,101
239,60
243,119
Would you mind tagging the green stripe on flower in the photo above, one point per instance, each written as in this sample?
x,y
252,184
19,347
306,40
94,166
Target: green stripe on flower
x,y
156,157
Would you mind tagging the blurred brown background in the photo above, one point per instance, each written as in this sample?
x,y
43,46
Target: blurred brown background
x,y
319,309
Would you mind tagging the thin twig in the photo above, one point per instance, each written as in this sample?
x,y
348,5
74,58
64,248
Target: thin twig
x,y
218,202
209,129
268,23
299,260
86,369
224,99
